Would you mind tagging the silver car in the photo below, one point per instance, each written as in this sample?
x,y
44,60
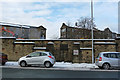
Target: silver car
x,y
107,60
37,58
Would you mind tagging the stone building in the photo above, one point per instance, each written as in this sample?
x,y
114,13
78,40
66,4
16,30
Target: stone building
x,y
68,50
68,32
22,31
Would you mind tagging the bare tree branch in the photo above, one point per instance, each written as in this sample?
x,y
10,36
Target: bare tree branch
x,y
84,22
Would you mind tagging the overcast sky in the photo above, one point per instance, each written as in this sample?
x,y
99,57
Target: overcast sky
x,y
52,13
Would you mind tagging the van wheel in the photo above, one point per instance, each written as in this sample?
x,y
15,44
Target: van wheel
x,y
23,64
47,64
106,66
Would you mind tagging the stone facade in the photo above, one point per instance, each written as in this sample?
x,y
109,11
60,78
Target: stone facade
x,y
118,44
22,31
68,50
68,32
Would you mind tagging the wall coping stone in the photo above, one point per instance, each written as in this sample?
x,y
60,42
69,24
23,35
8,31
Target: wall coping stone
x,y
65,39
39,48
7,37
76,43
105,43
85,48
24,42
50,42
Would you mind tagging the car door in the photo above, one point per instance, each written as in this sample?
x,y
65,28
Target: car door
x,y
33,58
113,59
43,57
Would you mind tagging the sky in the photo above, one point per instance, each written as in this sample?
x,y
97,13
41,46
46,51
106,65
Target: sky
x,y
52,13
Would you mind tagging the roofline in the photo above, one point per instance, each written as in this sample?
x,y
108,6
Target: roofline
x,y
7,37
61,39
66,39
88,29
28,26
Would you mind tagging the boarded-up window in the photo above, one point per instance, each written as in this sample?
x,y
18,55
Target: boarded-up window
x,y
63,46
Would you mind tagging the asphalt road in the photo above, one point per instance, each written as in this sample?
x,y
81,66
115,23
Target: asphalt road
x,y
16,73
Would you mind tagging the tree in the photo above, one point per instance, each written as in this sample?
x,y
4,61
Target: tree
x,y
84,22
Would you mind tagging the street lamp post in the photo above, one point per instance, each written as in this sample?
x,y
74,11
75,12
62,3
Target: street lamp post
x,y
92,31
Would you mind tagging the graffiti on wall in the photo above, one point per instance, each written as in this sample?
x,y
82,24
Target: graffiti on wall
x,y
6,32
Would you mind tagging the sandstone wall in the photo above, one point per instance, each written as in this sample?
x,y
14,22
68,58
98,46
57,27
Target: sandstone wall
x,y
75,50
118,44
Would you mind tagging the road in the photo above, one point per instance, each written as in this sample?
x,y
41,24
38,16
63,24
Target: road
x,y
21,73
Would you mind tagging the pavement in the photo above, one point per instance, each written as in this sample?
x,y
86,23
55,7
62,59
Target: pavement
x,y
59,66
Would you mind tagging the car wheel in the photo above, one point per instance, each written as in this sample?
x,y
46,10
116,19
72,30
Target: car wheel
x,y
106,66
23,64
47,64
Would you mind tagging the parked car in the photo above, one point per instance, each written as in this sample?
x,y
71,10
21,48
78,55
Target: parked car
x,y
107,60
37,58
3,58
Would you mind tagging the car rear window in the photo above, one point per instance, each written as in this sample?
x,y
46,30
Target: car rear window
x,y
50,54
105,55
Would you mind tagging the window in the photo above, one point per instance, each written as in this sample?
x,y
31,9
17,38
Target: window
x,y
64,30
113,55
50,54
43,54
118,55
34,54
108,55
105,55
42,37
63,46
